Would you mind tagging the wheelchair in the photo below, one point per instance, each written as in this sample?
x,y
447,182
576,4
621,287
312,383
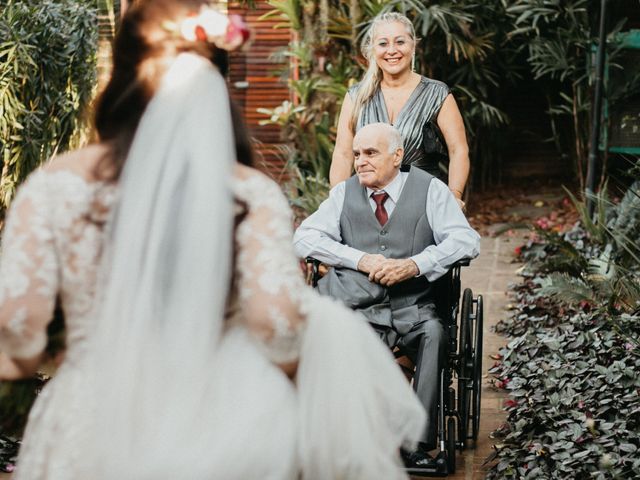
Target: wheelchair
x,y
461,376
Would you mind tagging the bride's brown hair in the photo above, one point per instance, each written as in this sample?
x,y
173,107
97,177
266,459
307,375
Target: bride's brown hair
x,y
147,40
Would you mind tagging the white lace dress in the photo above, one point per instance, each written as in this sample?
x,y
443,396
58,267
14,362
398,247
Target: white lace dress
x,y
344,417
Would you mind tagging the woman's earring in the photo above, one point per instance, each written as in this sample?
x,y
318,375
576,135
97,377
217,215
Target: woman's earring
x,y
413,62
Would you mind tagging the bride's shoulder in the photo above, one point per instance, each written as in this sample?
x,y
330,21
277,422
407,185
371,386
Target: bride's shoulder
x,y
244,173
73,169
256,188
81,162
250,180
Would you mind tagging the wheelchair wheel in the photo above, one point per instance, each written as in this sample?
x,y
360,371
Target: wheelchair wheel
x,y
451,445
477,371
465,367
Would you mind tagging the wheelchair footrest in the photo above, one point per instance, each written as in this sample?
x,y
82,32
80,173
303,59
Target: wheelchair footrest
x,y
438,470
427,472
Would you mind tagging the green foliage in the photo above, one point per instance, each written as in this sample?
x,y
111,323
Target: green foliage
x,y
598,262
308,125
17,399
558,39
47,76
572,399
8,453
308,191
572,365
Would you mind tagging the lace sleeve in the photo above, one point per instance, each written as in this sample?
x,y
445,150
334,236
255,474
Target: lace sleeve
x,y
28,272
270,283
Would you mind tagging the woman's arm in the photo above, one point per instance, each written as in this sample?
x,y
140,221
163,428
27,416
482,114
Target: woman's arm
x,y
29,274
15,369
270,284
452,126
342,160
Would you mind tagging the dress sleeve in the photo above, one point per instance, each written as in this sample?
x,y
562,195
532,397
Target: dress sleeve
x,y
28,271
440,92
270,284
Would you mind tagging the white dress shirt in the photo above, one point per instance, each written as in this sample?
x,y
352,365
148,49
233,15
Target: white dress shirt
x,y
319,235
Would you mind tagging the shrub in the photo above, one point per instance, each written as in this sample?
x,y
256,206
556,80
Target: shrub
x,y
572,364
47,76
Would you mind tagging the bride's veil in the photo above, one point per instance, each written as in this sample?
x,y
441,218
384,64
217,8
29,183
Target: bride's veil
x,y
165,282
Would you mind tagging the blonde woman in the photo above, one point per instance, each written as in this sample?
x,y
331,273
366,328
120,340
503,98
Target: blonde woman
x,y
391,92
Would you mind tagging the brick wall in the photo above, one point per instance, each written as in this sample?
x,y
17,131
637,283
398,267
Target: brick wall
x,y
256,81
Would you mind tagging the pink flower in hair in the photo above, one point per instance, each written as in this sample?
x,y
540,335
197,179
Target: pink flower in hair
x,y
211,25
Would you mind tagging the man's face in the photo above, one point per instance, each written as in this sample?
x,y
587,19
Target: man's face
x,y
374,165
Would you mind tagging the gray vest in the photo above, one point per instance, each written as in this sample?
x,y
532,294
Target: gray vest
x,y
406,233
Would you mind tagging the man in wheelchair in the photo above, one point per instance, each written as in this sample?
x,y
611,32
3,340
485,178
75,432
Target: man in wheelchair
x,y
388,235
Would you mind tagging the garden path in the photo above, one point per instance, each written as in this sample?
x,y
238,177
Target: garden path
x,y
488,275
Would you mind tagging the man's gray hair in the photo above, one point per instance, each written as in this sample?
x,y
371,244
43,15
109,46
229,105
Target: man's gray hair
x,y
387,132
395,139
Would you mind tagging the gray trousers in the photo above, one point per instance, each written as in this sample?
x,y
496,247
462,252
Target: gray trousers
x,y
425,345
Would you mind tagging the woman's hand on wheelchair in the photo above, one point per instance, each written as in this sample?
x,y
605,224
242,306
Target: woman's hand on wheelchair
x,y
392,271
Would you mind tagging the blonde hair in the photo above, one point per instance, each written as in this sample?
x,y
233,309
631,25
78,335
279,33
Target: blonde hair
x,y
372,77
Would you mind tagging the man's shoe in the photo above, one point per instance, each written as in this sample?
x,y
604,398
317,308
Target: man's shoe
x,y
419,462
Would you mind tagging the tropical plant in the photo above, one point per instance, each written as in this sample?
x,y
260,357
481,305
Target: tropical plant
x,y
573,390
309,123
570,367
47,75
598,262
558,39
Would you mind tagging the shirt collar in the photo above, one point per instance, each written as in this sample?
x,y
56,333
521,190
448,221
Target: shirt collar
x,y
393,189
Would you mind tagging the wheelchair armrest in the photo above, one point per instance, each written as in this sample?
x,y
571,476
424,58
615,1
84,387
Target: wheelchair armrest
x,y
463,262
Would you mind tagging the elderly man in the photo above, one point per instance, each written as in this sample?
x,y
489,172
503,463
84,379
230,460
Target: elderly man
x,y
390,234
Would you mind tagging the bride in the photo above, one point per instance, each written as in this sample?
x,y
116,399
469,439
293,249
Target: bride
x,y
194,350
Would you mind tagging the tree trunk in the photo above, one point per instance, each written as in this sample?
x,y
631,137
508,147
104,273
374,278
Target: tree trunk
x,y
579,148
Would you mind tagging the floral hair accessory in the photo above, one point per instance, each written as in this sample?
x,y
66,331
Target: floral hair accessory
x,y
210,25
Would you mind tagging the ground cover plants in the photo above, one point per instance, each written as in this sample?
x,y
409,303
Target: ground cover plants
x,y
571,365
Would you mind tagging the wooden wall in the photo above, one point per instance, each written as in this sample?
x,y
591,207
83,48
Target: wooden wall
x,y
265,87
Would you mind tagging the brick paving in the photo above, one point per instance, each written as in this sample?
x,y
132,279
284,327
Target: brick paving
x,y
488,275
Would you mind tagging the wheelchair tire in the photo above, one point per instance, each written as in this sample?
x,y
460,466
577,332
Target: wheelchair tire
x,y
465,367
451,445
477,370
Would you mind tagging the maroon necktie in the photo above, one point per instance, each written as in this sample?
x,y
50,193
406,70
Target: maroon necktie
x,y
381,212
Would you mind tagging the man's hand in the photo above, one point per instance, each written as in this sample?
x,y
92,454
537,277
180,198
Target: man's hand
x,y
370,261
392,271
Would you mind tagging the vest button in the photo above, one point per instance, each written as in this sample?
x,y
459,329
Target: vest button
x,y
383,232
383,247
